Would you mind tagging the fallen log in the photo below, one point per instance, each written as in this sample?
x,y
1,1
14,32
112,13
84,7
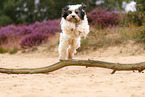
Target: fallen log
x,y
88,63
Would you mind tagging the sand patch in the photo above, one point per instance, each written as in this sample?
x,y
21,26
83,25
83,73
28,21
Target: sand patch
x,y
73,81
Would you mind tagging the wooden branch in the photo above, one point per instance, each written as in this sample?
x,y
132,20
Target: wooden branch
x,y
88,63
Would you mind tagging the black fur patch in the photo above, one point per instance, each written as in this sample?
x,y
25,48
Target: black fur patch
x,y
65,12
83,5
82,13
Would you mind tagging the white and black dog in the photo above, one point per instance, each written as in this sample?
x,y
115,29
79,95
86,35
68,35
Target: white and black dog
x,y
74,25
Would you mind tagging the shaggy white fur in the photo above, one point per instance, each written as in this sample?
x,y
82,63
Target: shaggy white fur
x,y
71,36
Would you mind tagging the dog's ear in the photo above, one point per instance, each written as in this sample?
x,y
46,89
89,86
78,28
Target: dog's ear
x,y
64,11
82,11
83,6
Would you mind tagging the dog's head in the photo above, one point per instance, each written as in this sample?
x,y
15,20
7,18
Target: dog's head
x,y
74,13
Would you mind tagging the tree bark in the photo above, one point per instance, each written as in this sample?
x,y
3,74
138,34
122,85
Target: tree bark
x,y
88,63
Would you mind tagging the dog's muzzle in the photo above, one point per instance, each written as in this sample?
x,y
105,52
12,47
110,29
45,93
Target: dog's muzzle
x,y
73,18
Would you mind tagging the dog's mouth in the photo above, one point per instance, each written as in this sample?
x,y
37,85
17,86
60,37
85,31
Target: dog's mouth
x,y
73,20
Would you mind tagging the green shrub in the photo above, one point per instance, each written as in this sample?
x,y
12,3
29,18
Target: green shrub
x,y
140,6
142,33
5,20
3,50
135,18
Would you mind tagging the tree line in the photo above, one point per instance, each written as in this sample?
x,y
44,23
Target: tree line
x,y
29,11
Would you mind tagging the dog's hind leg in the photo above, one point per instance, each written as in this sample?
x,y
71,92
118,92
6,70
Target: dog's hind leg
x,y
75,44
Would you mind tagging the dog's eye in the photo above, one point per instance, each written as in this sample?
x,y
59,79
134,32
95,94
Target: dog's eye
x,y
70,12
76,12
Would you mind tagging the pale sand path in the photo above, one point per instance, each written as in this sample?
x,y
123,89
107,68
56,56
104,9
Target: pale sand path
x,y
71,81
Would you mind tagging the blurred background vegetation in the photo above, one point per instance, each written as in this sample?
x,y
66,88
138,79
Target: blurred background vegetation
x,y
28,23
29,11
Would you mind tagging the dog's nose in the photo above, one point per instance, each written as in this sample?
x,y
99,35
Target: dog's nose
x,y
73,16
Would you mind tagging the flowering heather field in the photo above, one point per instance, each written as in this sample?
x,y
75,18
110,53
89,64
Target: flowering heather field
x,y
13,36
103,18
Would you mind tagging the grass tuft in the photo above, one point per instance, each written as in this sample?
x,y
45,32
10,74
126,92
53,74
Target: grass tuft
x,y
113,36
2,51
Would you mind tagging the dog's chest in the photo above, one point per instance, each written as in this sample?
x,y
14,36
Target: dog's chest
x,y
70,28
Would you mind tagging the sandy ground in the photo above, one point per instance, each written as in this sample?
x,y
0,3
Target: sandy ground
x,y
74,81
